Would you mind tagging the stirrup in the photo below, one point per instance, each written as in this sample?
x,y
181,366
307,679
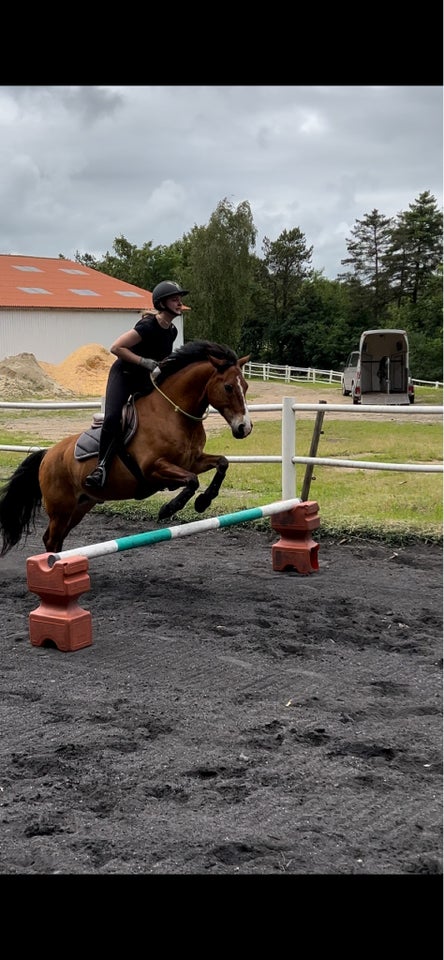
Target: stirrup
x,y
96,478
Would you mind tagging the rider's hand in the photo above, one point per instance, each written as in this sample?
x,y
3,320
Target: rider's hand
x,y
150,365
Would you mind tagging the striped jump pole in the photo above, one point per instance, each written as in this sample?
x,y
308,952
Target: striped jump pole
x,y
60,578
170,533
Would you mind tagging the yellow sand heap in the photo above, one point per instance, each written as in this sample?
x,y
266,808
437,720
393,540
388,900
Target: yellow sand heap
x,y
85,371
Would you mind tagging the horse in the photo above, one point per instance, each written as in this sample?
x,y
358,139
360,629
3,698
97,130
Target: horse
x,y
162,449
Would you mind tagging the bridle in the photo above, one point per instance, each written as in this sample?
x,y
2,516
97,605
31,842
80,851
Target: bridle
x,y
176,408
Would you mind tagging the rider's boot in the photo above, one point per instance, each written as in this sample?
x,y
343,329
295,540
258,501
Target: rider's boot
x,y
97,478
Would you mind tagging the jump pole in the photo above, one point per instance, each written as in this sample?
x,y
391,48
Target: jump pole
x,y
170,533
60,578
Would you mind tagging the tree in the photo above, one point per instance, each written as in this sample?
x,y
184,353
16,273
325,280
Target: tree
x,y
254,339
327,331
286,263
276,307
415,251
371,238
423,323
87,259
218,269
320,333
285,260
142,266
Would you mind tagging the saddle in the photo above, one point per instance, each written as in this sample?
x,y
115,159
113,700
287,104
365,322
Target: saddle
x,y
87,445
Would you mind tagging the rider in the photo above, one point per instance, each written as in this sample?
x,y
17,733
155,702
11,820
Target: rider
x,y
152,336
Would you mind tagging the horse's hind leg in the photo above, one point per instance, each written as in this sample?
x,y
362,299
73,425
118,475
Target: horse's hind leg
x,y
61,523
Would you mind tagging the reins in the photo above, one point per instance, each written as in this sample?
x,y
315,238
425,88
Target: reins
x,y
176,408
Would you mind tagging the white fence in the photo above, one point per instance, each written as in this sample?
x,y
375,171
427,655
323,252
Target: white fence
x,y
288,458
269,371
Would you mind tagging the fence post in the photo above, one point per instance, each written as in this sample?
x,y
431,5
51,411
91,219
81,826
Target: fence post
x,y
288,449
313,451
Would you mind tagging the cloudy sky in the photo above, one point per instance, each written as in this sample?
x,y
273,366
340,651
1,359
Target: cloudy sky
x,y
82,165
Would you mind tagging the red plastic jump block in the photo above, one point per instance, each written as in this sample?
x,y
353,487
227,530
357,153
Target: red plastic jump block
x,y
296,548
59,617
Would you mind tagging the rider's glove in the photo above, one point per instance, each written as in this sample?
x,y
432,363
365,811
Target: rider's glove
x,y
150,365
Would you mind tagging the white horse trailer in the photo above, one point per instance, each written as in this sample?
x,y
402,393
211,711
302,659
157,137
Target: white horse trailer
x,y
378,372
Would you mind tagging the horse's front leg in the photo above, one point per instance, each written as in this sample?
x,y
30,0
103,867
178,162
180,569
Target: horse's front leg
x,y
178,503
207,462
166,475
169,475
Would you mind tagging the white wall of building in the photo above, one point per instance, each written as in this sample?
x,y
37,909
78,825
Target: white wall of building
x,y
52,335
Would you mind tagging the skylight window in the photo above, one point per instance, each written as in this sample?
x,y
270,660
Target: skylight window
x,y
81,273
27,269
35,290
85,293
128,293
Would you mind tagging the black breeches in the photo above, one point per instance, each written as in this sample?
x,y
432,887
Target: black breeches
x,y
119,387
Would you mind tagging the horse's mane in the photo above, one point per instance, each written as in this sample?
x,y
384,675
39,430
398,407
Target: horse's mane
x,y
193,352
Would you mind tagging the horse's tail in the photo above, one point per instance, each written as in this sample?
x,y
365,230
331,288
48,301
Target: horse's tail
x,y
20,501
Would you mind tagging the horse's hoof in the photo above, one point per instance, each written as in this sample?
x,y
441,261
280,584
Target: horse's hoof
x,y
201,503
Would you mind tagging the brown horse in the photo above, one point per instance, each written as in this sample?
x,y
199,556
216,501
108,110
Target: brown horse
x,y
164,452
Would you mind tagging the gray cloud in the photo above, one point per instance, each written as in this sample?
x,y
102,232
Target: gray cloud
x,y
80,166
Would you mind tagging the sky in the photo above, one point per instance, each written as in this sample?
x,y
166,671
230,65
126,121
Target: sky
x,y
82,165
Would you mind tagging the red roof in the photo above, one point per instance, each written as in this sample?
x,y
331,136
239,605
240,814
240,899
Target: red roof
x,y
53,282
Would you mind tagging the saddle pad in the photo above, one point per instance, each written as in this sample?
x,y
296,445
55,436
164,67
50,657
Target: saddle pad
x,y
87,445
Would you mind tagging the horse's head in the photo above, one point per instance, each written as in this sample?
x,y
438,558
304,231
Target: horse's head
x,y
226,391
221,385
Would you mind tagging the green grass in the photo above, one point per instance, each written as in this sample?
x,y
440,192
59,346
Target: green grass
x,y
353,502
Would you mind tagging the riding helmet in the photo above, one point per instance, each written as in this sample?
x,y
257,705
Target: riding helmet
x,y
168,288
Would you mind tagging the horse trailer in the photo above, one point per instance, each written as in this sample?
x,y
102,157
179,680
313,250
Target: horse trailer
x,y
378,372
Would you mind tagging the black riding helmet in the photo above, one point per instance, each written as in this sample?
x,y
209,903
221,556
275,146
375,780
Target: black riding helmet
x,y
168,288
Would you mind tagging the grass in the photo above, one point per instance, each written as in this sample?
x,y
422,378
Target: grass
x,y
353,502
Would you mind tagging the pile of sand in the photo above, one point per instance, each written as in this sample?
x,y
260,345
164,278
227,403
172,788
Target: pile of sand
x,y
22,378
85,371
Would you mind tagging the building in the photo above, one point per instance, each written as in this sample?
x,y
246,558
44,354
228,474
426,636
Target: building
x,y
50,307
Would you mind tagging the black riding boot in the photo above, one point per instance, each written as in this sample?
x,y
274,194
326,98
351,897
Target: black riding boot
x,y
97,478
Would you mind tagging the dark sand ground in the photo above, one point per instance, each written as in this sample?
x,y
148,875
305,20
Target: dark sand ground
x,y
227,718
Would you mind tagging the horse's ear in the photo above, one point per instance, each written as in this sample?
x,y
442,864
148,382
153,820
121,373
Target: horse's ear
x,y
220,362
217,361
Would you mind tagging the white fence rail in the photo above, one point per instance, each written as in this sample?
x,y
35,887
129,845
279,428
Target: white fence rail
x,y
288,458
269,371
